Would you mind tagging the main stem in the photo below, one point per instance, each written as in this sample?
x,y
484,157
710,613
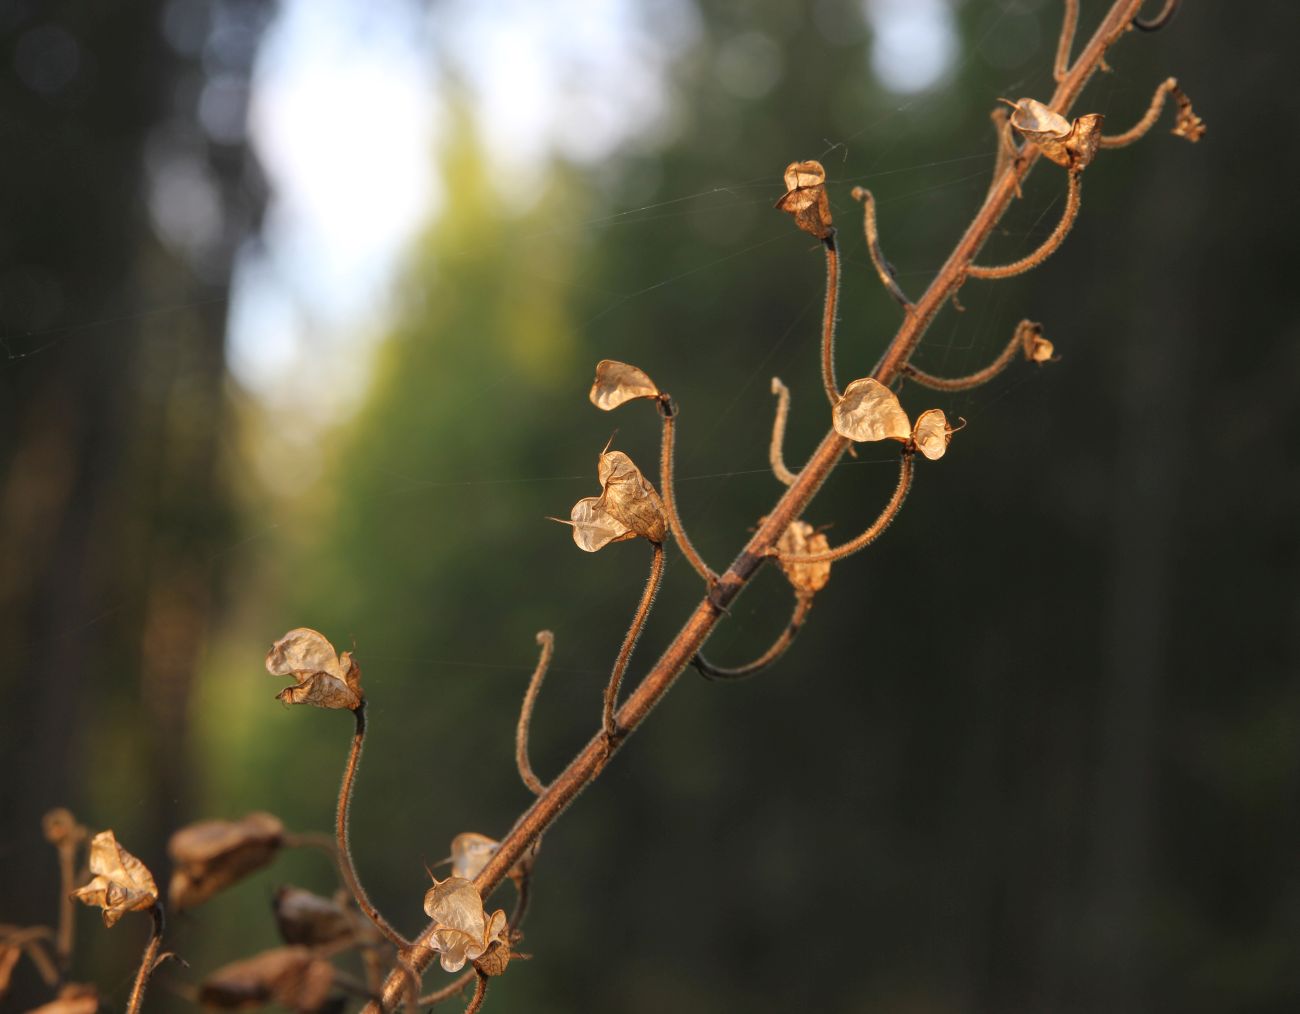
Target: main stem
x,y
147,960
589,761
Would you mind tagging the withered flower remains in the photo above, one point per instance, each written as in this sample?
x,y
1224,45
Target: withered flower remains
x,y
289,976
464,931
121,882
801,539
211,855
627,507
617,383
1069,144
325,678
805,198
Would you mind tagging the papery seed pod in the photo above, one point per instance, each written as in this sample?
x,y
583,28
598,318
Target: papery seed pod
x,y
463,931
73,998
325,678
594,528
121,883
308,919
211,855
1072,145
289,976
470,852
630,498
931,434
805,198
801,539
495,958
1037,348
867,410
617,383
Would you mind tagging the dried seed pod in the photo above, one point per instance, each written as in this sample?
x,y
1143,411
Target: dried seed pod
x,y
325,679
470,852
805,198
867,410
211,855
594,528
1037,348
289,976
800,539
121,883
495,958
617,383
463,930
1072,145
630,498
308,919
931,434
73,998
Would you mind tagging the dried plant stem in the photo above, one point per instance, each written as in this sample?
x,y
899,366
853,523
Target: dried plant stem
x,y
608,720
311,840
1169,86
593,757
1020,342
148,961
480,991
344,850
668,411
883,268
1165,16
1066,40
871,534
547,640
802,606
1050,245
456,986
63,943
828,318
775,454
29,941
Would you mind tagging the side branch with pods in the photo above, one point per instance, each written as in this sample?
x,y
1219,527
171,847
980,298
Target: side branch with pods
x,y
462,935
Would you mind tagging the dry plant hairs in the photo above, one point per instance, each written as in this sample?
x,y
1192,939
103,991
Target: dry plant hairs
x,y
471,942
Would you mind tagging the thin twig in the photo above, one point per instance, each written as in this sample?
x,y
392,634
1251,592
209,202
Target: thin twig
x,y
480,991
1188,124
775,454
1050,244
1068,25
547,640
872,533
1021,341
828,318
667,490
341,840
148,961
456,985
608,721
593,757
1165,16
883,268
778,648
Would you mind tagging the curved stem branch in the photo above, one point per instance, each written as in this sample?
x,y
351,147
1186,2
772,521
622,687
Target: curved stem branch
x,y
1025,340
884,269
775,455
629,641
547,640
148,961
1165,16
346,867
871,534
457,985
480,991
1188,125
778,648
1050,244
1069,23
828,318
668,492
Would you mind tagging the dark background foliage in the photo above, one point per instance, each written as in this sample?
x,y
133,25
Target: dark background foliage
x,y
1037,750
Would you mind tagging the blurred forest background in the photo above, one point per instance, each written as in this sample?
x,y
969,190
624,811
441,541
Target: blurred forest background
x,y
1038,750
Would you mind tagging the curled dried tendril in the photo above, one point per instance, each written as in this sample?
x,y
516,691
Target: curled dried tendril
x,y
211,855
463,931
628,507
805,198
290,976
869,411
121,882
617,383
308,919
1072,144
325,678
801,539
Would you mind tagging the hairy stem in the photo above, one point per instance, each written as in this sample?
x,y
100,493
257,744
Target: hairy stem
x,y
344,853
802,606
148,960
1063,45
871,534
1021,341
775,454
1050,245
480,991
828,318
608,720
1187,125
883,268
1165,16
668,491
593,757
547,640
